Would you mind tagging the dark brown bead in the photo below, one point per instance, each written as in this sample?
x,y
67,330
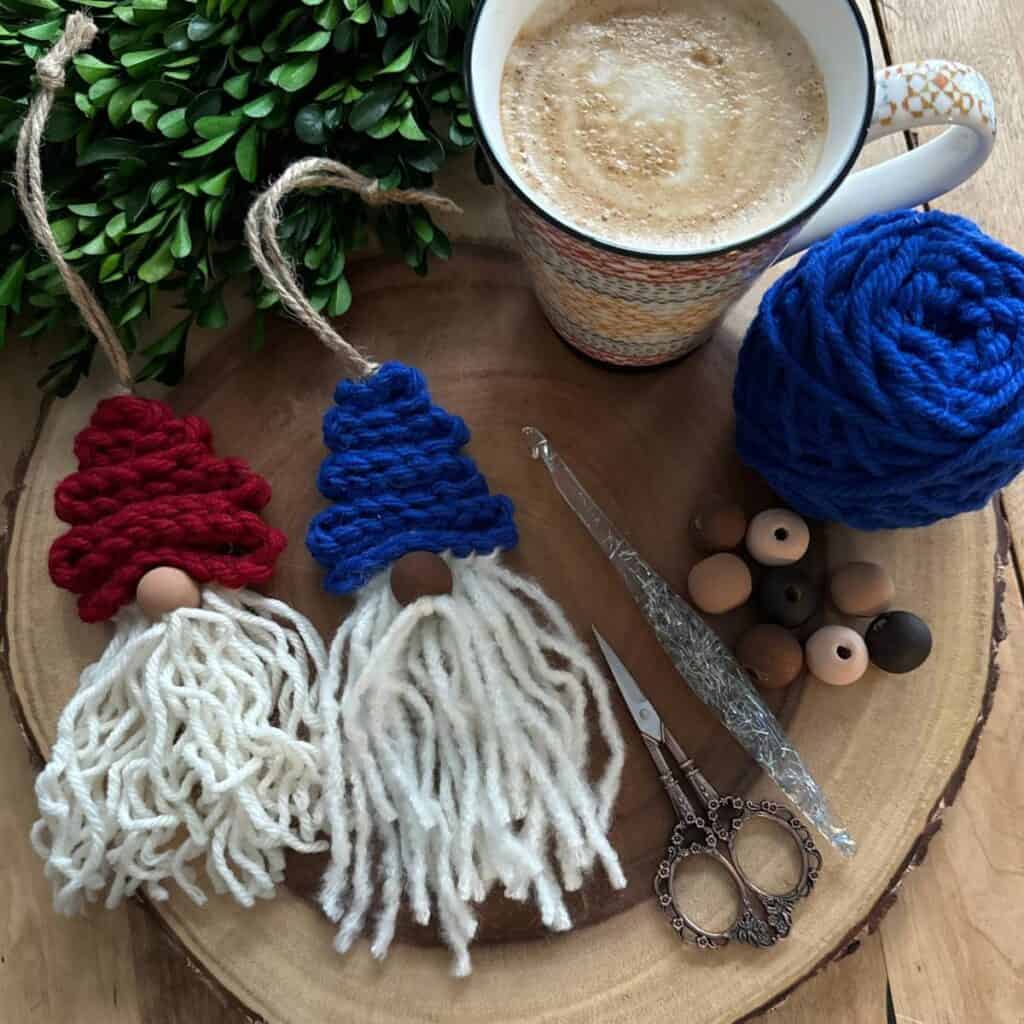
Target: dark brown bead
x,y
719,526
420,574
788,597
771,655
898,642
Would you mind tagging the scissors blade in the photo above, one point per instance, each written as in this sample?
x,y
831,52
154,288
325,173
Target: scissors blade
x,y
647,719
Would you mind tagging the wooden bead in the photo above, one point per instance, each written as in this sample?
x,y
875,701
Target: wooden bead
x,y
719,584
899,642
164,590
771,655
777,537
862,589
837,655
719,526
788,597
420,574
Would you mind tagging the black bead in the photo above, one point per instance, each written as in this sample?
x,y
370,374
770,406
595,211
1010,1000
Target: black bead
x,y
898,642
788,596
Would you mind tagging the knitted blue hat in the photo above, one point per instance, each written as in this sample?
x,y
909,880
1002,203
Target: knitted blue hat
x,y
399,482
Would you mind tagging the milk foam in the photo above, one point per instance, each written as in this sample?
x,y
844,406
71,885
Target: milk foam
x,y
665,124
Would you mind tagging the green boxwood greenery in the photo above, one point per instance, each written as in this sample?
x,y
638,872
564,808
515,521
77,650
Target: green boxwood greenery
x,y
180,110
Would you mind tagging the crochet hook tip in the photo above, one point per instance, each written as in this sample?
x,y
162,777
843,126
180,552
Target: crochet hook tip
x,y
540,447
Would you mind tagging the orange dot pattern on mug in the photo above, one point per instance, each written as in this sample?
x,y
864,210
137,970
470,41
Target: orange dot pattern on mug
x,y
930,88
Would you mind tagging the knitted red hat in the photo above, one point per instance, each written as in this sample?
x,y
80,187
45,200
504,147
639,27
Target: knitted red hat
x,y
150,492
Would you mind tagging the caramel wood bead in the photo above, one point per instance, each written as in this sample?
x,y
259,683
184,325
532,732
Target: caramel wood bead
x,y
862,589
777,537
771,655
164,590
420,574
719,526
837,655
719,584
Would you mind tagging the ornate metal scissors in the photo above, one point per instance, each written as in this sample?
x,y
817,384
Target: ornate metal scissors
x,y
707,827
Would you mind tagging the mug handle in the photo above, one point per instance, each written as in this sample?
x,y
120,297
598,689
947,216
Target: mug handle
x,y
923,94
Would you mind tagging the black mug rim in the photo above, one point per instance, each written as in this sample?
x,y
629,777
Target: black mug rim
x,y
779,231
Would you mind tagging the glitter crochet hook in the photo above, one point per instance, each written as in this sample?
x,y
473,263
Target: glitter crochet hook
x,y
699,655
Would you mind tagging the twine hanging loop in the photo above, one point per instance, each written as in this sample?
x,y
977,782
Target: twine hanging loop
x,y
264,219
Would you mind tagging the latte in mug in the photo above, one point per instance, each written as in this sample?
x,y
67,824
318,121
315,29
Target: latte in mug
x,y
664,125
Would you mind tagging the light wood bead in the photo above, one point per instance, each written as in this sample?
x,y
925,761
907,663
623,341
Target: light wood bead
x,y
164,590
719,584
777,537
836,655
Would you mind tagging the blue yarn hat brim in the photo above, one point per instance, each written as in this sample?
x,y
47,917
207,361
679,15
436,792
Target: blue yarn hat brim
x,y
399,482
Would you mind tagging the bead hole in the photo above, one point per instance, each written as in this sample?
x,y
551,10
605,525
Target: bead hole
x,y
844,653
782,533
792,593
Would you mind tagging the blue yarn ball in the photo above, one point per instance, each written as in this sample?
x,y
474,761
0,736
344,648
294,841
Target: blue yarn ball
x,y
882,383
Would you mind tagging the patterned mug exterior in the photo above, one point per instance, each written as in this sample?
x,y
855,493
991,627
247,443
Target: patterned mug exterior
x,y
638,310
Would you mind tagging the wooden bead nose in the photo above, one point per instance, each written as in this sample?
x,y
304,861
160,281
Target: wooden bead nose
x,y
420,574
164,590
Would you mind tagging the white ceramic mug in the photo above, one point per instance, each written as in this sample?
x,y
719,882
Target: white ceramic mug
x,y
627,306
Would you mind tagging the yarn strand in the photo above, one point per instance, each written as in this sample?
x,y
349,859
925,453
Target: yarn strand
x,y
79,32
264,219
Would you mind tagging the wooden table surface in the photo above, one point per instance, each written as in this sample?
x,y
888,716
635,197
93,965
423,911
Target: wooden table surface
x,y
949,951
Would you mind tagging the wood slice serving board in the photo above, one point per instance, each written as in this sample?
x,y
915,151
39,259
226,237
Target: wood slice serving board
x,y
889,751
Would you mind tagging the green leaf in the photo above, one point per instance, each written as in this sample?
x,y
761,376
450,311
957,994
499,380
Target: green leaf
x,y
373,106
176,38
107,150
200,28
83,104
173,124
136,305
63,123
141,62
149,225
121,103
251,54
362,14
215,185
401,62
296,74
45,32
116,226
181,240
210,146
247,153
312,43
237,87
110,266
158,266
144,112
218,125
103,90
328,14
10,284
92,69
213,313
341,298
409,129
261,106
309,125
64,230
423,228
345,36
384,127
97,245
87,209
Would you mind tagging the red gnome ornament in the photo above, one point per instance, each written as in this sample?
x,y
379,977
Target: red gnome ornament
x,y
195,735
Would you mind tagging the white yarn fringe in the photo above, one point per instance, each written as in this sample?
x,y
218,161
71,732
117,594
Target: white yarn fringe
x,y
455,755
185,740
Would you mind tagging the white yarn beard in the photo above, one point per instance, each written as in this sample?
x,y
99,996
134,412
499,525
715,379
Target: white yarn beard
x,y
455,752
182,742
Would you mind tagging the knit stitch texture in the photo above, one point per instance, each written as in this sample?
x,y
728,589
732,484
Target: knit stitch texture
x,y
399,482
882,383
150,491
